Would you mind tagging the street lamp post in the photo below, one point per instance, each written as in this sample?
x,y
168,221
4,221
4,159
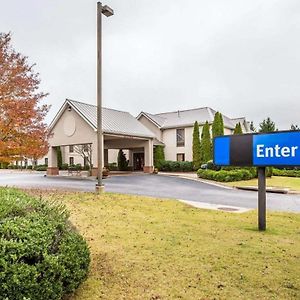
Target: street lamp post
x,y
107,11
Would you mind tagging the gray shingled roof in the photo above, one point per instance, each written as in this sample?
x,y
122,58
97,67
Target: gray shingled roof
x,y
245,124
187,118
113,121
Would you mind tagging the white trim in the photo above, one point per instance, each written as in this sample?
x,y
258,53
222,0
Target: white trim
x,y
62,110
149,118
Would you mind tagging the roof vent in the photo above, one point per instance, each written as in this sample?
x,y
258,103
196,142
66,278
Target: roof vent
x,y
69,108
178,113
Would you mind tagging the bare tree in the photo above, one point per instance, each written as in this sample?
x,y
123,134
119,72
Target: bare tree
x,y
85,151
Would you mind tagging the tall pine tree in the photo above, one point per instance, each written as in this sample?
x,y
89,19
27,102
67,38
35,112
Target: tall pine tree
x,y
158,156
196,147
252,128
206,146
221,124
215,125
267,125
238,129
218,125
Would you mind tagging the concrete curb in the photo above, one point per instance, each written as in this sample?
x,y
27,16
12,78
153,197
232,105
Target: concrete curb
x,y
198,180
247,188
71,177
268,189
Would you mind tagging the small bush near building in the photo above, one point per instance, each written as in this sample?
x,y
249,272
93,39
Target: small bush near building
x,y
286,173
64,167
176,166
225,176
122,161
41,256
41,168
158,156
113,166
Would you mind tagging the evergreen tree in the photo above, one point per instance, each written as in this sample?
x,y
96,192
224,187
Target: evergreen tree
x,y
221,125
252,128
206,146
59,157
267,125
159,156
238,129
215,125
196,147
218,125
122,161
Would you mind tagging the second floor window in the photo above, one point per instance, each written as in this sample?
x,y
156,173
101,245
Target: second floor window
x,y
71,148
180,137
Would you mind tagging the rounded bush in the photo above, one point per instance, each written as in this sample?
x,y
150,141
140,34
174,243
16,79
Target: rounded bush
x,y
175,166
226,176
41,256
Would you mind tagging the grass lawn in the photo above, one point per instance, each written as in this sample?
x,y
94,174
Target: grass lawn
x,y
145,248
292,183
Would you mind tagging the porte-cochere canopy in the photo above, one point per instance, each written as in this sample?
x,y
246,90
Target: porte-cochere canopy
x,y
76,124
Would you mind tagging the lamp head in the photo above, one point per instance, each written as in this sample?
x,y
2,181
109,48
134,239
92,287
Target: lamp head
x,y
107,11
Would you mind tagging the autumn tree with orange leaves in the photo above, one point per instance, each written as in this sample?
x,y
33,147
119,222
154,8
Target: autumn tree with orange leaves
x,y
23,132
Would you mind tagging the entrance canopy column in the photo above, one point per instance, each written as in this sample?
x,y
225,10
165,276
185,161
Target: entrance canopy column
x,y
52,162
148,150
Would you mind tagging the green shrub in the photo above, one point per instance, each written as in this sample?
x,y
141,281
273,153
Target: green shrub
x,y
176,166
64,166
122,161
287,173
225,176
158,155
78,167
113,166
41,168
269,171
59,157
41,256
211,166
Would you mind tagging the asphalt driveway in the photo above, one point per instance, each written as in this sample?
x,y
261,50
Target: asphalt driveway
x,y
155,186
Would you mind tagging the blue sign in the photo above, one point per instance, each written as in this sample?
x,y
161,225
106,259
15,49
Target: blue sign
x,y
269,149
222,151
277,149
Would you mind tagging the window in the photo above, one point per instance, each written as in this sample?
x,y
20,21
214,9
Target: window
x,y
85,147
71,160
180,156
71,148
180,137
46,161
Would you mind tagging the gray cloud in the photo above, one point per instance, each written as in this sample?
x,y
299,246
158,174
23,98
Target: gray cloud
x,y
239,57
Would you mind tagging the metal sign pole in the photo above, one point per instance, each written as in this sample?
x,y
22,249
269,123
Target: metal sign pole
x,y
261,198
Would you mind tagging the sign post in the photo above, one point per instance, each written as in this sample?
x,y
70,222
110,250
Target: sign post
x,y
261,150
261,172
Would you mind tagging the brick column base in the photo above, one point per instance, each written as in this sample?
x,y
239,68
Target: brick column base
x,y
148,169
95,172
52,171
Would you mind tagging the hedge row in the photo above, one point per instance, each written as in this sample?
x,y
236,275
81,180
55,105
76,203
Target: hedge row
x,y
175,166
287,173
226,176
41,256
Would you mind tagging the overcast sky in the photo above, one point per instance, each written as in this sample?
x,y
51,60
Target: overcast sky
x,y
239,57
